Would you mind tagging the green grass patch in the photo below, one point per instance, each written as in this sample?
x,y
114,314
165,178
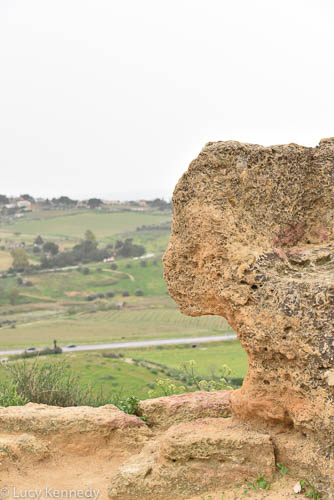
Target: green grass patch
x,y
209,357
123,374
111,326
73,224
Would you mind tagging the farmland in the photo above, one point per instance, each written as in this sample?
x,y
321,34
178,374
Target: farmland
x,y
107,326
100,302
71,225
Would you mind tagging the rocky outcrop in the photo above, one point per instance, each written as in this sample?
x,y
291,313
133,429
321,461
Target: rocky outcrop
x,y
42,431
253,241
194,457
166,411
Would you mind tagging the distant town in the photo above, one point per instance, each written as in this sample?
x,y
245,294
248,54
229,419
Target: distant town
x,y
18,206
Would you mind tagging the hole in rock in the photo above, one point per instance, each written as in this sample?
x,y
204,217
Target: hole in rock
x,y
266,382
254,287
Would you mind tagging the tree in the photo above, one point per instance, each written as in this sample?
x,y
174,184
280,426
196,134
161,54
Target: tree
x,y
13,295
90,236
3,199
64,200
27,197
51,248
94,203
39,240
20,259
129,249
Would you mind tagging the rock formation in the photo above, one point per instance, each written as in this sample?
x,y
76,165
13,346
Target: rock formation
x,y
253,241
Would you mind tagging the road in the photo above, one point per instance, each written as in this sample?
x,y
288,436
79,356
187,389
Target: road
x,y
139,343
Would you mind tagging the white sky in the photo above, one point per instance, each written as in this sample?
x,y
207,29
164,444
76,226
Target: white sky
x,y
115,98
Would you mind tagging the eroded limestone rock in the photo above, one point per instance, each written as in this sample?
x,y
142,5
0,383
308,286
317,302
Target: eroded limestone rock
x,y
166,411
194,457
253,241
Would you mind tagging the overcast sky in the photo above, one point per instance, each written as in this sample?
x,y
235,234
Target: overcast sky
x,y
115,98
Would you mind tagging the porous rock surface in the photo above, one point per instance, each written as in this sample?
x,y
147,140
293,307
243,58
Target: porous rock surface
x,y
253,241
166,411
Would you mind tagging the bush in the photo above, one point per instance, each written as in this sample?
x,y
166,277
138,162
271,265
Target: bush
x,y
143,263
85,270
10,397
50,350
110,294
51,248
19,281
53,384
34,354
125,293
49,384
113,266
139,293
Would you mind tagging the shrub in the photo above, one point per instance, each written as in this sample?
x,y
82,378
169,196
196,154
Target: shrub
x,y
51,248
125,293
85,270
50,350
9,395
33,354
39,240
129,405
91,297
19,281
110,294
49,384
139,293
113,266
143,263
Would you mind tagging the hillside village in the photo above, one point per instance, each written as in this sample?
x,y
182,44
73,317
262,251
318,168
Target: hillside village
x,y
18,206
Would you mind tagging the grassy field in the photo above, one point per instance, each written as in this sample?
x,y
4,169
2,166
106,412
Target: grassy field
x,y
209,357
5,260
129,276
55,305
73,224
110,326
130,375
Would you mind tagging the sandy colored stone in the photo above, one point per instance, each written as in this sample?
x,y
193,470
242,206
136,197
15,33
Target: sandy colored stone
x,y
44,419
77,430
193,457
253,241
169,410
